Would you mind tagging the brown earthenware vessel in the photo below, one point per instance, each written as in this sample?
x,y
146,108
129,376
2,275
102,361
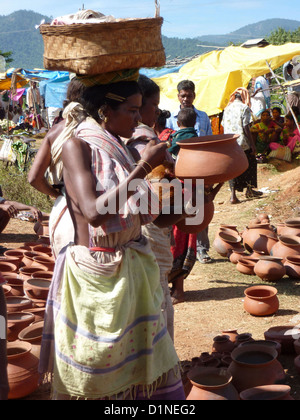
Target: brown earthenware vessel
x,y
251,235
16,322
287,246
261,300
286,335
267,393
292,266
270,269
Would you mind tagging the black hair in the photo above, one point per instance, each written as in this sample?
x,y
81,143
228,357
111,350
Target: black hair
x,y
186,85
148,87
187,117
112,95
277,108
74,92
162,118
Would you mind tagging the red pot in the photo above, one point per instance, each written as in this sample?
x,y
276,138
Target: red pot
x,y
261,300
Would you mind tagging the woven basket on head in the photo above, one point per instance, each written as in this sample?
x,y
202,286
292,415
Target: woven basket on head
x,y
95,48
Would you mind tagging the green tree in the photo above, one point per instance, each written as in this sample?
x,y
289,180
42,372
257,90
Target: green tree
x,y
7,56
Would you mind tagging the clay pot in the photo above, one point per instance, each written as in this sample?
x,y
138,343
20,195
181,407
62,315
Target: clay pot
x,y
292,227
251,235
17,304
212,158
33,334
224,243
16,286
267,393
243,338
265,244
26,273
6,290
297,346
223,344
297,364
37,288
261,300
270,269
211,384
208,360
292,266
43,249
273,344
45,240
246,267
16,253
288,246
47,275
232,334
28,258
255,366
44,263
12,260
263,216
285,335
279,228
29,245
183,225
16,322
22,370
236,255
38,312
7,267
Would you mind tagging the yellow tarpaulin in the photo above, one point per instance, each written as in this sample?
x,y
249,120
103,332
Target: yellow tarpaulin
x,y
218,74
5,84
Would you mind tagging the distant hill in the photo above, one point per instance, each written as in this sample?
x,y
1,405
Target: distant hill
x,y
18,34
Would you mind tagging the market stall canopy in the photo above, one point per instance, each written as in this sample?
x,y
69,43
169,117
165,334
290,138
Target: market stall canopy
x,y
6,81
218,74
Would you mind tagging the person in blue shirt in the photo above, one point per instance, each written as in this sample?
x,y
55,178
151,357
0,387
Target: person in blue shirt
x,y
186,97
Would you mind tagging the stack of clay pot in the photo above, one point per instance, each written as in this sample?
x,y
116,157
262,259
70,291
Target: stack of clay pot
x,y
270,252
28,272
239,367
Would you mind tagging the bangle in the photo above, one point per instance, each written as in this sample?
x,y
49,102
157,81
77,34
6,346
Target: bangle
x,y
143,161
141,166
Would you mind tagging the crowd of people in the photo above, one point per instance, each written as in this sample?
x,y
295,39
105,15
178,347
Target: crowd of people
x,y
109,326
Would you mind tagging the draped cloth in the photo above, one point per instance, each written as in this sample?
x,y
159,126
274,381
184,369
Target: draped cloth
x,y
105,335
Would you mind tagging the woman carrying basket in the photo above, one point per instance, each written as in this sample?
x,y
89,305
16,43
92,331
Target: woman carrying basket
x,y
105,335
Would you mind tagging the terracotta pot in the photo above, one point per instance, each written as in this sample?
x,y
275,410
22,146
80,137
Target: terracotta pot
x,y
47,275
7,267
44,249
22,370
16,253
288,246
44,240
223,344
232,334
16,322
212,158
297,346
17,304
273,344
255,366
6,290
286,335
292,227
44,263
211,384
12,260
237,254
265,244
270,269
251,235
39,313
279,228
246,267
28,258
261,300
297,364
292,266
263,216
29,245
267,393
224,243
243,338
183,225
33,334
16,286
37,288
26,273
208,360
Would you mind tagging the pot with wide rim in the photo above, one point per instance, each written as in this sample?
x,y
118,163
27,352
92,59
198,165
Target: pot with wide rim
x,y
267,393
261,300
255,366
265,244
7,267
22,370
270,269
286,335
16,285
215,159
246,266
37,288
16,322
224,243
33,334
26,273
252,234
17,304
237,254
274,344
292,266
287,246
211,384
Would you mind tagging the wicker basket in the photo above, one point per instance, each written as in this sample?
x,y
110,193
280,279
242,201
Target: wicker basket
x,y
95,48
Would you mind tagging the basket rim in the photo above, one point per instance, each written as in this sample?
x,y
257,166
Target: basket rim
x,y
77,27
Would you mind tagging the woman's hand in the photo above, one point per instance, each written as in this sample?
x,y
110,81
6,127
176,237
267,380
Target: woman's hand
x,y
154,154
36,213
10,210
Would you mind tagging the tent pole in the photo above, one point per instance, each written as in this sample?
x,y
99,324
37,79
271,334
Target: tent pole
x,y
285,95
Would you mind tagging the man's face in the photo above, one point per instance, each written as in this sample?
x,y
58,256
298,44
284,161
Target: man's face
x,y
186,98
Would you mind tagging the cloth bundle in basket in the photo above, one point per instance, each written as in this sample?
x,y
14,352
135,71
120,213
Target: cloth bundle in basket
x,y
94,48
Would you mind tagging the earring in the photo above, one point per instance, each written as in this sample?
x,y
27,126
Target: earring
x,y
102,116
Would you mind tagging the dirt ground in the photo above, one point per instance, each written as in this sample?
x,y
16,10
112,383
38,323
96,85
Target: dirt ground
x,y
214,292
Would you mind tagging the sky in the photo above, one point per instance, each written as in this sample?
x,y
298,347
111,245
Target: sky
x,y
182,18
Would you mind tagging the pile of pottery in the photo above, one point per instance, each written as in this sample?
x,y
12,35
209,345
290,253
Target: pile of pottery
x,y
241,368
28,272
262,249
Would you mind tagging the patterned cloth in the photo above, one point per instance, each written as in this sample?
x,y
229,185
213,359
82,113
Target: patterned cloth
x,y
130,75
236,116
